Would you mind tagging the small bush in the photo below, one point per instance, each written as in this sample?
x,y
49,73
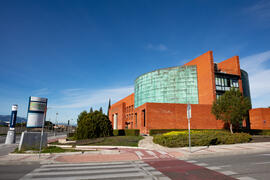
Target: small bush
x,y
132,132
119,132
70,135
161,131
200,138
259,132
126,132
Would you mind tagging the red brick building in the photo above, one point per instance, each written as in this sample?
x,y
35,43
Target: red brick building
x,y
161,96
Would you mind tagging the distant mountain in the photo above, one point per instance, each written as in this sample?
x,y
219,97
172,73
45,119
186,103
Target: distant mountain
x,y
6,118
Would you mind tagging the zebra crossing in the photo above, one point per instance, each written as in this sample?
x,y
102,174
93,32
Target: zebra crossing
x,y
114,170
222,169
151,154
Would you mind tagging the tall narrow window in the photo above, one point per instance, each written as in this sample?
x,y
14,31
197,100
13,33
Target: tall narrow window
x,y
135,120
143,115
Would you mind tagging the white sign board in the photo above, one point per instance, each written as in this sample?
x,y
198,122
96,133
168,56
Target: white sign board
x,y
35,119
36,112
188,111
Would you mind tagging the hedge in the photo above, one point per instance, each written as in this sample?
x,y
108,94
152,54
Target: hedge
x,y
126,132
201,138
161,131
259,132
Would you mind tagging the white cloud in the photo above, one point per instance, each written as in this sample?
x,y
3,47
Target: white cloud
x,y
158,47
261,9
258,68
82,98
40,92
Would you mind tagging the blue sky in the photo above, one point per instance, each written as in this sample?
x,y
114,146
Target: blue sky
x,y
79,54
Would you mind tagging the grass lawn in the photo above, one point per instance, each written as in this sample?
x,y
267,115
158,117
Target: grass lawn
x,y
49,149
112,141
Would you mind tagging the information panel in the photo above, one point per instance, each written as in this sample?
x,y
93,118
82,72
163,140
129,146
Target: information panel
x,y
36,112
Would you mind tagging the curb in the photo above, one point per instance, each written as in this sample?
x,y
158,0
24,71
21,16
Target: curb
x,y
216,154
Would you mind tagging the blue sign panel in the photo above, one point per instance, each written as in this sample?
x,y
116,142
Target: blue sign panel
x,y
13,116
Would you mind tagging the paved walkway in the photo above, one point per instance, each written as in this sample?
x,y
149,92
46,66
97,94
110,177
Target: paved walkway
x,y
203,151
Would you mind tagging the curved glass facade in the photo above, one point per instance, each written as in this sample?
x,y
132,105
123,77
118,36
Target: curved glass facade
x,y
169,85
245,83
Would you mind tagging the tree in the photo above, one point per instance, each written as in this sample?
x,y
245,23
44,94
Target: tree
x,y
91,110
93,125
100,110
109,106
231,107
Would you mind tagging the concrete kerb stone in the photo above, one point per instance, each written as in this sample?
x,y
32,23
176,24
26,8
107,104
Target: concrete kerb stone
x,y
111,147
217,154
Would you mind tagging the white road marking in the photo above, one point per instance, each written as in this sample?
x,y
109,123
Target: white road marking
x,y
228,173
139,154
83,164
85,167
152,153
213,167
264,155
262,163
65,173
224,166
191,161
201,164
162,152
246,178
98,171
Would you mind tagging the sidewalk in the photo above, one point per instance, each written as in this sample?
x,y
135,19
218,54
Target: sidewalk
x,y
204,151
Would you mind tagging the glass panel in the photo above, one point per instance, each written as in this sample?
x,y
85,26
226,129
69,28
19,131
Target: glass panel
x,y
171,85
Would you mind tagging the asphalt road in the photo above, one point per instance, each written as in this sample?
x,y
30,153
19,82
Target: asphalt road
x,y
245,167
12,172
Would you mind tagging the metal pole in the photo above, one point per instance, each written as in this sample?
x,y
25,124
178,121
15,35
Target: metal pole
x,y
41,137
189,141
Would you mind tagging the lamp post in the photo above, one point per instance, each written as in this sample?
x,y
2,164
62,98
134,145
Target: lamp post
x,y
56,124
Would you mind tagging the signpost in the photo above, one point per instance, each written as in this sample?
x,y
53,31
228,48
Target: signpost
x,y
36,116
188,117
11,136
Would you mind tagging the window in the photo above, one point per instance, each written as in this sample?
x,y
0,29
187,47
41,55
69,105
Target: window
x,y
135,120
143,116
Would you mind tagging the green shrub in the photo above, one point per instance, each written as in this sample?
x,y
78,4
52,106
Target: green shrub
x,y
126,132
201,138
132,132
259,132
70,135
119,132
161,131
93,125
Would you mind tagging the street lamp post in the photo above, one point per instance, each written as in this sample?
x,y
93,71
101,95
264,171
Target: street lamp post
x,y
56,124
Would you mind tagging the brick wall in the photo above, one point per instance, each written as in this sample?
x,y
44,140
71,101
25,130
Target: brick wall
x,y
231,66
125,112
174,116
206,77
259,118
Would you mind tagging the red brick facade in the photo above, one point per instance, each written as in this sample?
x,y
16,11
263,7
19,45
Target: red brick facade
x,y
173,116
259,118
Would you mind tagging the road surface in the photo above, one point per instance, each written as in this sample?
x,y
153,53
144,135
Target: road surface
x,y
245,167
